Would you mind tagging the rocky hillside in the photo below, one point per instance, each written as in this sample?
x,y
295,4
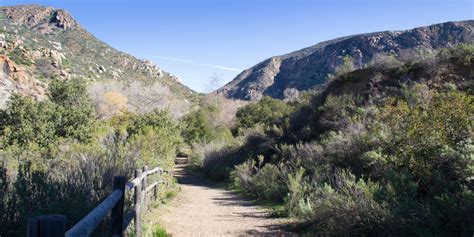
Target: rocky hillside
x,y
40,43
282,76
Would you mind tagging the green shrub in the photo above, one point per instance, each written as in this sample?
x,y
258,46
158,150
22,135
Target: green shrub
x,y
198,127
346,66
344,207
464,53
200,151
68,115
418,134
76,109
158,137
297,191
55,154
336,112
268,112
79,176
17,56
160,232
267,182
219,163
393,160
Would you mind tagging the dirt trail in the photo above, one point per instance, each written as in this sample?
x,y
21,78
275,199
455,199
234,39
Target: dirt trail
x,y
204,209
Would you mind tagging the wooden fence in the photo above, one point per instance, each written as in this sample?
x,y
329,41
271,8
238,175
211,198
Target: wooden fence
x,y
55,225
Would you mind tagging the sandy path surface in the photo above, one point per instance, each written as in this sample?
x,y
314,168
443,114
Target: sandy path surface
x,y
204,209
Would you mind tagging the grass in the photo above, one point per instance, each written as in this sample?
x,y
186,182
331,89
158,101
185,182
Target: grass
x,y
169,195
151,224
160,232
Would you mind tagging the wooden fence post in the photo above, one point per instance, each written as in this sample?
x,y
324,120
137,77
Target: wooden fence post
x,y
155,189
138,198
117,211
170,178
144,186
47,226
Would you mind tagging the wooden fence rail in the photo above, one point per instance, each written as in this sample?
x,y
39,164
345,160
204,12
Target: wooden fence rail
x,y
55,225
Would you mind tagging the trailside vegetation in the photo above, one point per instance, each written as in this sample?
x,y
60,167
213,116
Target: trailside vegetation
x,y
380,151
55,154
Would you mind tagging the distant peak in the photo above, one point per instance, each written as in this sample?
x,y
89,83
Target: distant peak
x,y
39,17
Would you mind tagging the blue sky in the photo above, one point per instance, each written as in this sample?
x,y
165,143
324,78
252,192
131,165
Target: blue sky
x,y
196,39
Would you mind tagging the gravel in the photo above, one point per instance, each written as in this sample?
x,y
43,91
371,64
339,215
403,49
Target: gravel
x,y
203,208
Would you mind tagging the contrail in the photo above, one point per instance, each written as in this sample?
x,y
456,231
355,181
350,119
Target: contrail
x,y
198,64
173,59
220,67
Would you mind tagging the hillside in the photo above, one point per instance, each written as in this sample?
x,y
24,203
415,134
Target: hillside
x,y
40,43
311,66
379,151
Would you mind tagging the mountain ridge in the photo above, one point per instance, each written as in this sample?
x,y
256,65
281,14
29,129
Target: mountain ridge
x,y
308,67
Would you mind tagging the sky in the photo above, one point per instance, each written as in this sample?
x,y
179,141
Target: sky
x,y
197,40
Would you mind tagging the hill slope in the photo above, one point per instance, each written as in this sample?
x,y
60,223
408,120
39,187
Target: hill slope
x,y
39,43
309,67
369,153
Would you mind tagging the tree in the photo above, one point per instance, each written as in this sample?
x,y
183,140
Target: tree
x,y
346,66
268,112
198,128
68,114
214,83
75,106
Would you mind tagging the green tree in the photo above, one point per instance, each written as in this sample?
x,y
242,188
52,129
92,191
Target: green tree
x,y
198,128
68,114
418,135
268,112
75,107
25,121
157,136
346,66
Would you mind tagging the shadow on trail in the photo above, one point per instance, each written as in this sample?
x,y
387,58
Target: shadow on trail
x,y
185,178
230,199
234,200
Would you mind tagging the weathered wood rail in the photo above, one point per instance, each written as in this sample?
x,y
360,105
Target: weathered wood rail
x,y
55,225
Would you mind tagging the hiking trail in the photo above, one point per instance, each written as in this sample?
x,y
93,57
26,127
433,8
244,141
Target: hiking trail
x,y
204,208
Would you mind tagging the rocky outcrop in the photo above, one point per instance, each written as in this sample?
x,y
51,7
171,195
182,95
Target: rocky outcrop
x,y
42,19
311,66
255,80
62,19
14,79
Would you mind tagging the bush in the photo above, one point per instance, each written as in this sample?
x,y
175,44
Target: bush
x,y
219,163
198,127
417,134
200,151
346,66
267,182
268,112
157,135
464,53
79,176
55,155
76,110
343,207
336,112
160,232
393,159
68,115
